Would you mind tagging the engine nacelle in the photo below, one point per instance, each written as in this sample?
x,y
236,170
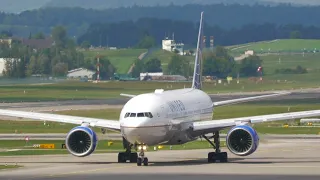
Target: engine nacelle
x,y
242,140
81,141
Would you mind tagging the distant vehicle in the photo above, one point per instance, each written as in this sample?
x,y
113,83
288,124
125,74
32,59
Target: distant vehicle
x,y
168,117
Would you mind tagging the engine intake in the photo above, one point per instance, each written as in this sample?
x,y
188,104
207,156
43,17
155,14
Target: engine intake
x,y
242,140
81,141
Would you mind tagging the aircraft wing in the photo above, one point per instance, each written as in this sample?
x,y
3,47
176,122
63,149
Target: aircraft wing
x,y
309,120
93,122
127,95
247,99
204,127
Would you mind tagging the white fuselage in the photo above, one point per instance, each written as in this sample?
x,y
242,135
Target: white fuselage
x,y
164,117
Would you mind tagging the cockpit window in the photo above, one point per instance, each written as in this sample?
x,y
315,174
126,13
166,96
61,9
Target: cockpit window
x,y
140,115
133,115
148,114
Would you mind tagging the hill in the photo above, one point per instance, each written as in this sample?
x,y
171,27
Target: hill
x,y
122,59
278,46
17,6
103,4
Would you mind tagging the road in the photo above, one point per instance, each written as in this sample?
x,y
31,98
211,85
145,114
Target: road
x,y
277,159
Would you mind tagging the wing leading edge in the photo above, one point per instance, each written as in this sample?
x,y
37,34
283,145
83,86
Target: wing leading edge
x,y
247,99
93,122
203,127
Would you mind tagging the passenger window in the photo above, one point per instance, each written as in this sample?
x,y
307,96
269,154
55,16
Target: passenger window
x,y
133,115
140,115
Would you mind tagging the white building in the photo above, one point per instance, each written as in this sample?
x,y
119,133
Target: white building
x,y
249,52
171,45
143,75
80,73
3,63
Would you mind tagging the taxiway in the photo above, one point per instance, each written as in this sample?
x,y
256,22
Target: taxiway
x,y
294,159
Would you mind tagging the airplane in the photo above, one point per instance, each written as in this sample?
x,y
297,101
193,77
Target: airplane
x,y
172,117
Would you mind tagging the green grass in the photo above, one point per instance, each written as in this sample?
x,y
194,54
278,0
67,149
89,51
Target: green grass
x,y
101,148
241,110
281,45
310,61
122,59
9,166
165,57
72,90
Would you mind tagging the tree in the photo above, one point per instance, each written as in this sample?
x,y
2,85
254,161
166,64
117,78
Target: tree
x,y
295,35
178,65
85,44
249,66
138,68
39,35
219,63
153,65
60,69
146,42
59,35
107,69
33,67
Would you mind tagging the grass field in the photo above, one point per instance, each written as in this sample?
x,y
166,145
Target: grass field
x,y
241,110
281,45
71,90
103,147
8,166
122,59
165,57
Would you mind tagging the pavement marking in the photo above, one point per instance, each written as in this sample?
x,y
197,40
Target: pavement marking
x,y
287,166
80,172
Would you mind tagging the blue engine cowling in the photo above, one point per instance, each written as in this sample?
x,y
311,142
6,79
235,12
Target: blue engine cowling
x,y
242,140
81,141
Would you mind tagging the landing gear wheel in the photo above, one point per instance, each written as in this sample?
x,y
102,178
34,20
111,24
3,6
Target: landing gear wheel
x,y
139,161
217,155
145,161
121,158
133,157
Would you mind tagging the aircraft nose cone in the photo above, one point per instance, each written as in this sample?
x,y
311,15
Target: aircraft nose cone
x,y
142,132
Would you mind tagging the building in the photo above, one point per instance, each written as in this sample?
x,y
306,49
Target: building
x,y
171,45
80,73
143,76
159,76
3,64
33,43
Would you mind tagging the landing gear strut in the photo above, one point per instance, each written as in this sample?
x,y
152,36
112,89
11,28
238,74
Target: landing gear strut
x,y
128,155
142,158
217,155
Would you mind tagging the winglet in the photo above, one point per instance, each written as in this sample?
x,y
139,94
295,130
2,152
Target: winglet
x,y
127,95
196,82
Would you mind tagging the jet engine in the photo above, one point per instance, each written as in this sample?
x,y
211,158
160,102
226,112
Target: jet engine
x,y
242,140
81,141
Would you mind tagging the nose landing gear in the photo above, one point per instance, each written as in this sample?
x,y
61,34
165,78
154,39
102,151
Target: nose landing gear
x,y
142,159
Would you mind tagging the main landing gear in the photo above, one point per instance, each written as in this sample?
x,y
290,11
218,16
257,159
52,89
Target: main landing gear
x,y
217,155
128,155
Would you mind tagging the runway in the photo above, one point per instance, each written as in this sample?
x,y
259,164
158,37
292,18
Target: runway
x,y
297,159
119,102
